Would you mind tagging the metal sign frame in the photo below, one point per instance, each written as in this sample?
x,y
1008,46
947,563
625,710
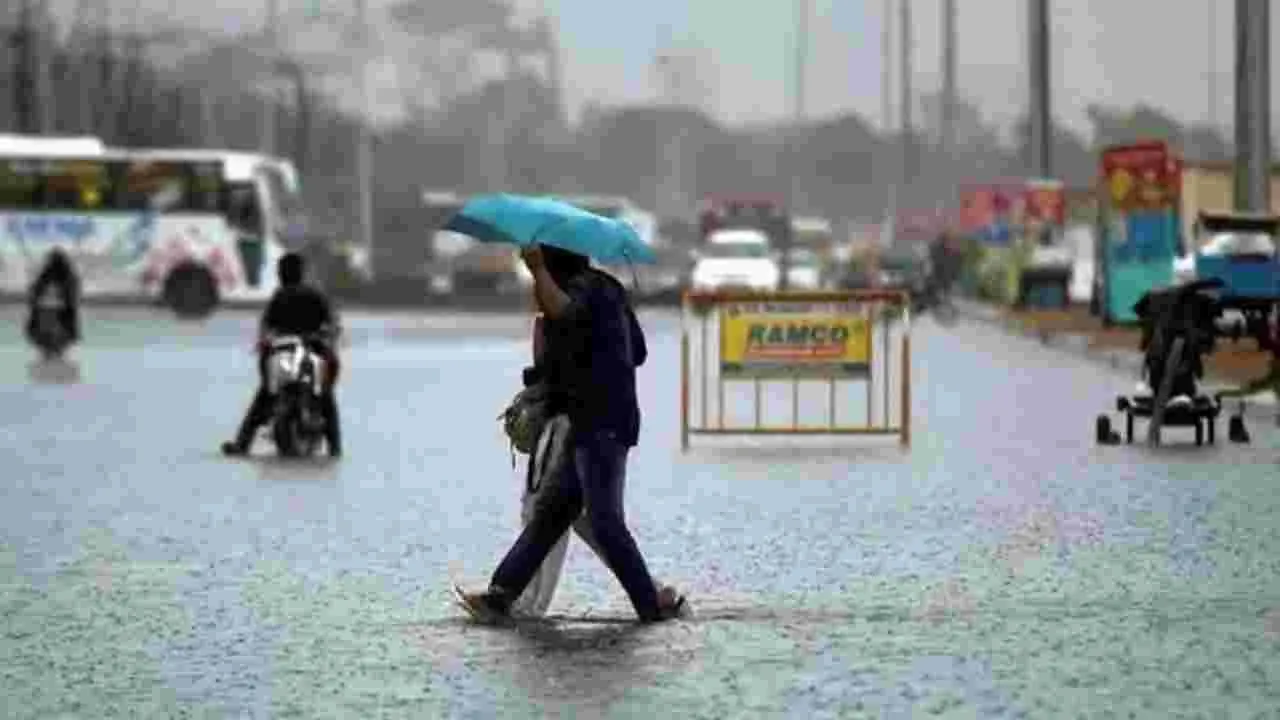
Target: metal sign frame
x,y
879,309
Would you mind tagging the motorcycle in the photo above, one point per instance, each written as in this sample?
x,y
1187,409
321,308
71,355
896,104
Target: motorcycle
x,y
295,377
935,300
48,332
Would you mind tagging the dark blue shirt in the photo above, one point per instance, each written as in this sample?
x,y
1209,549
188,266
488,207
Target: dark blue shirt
x,y
592,352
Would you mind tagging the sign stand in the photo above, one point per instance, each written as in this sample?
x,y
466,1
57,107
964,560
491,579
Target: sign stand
x,y
797,338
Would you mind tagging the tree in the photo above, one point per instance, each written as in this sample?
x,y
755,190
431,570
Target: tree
x,y
1118,127
436,19
1113,126
971,131
1074,161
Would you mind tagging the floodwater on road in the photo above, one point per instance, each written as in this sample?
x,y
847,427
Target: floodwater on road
x,y
1004,566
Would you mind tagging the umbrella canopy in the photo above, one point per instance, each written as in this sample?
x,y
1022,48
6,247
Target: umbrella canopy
x,y
525,221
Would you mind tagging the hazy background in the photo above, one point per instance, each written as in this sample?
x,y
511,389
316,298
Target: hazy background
x,y
570,96
1148,51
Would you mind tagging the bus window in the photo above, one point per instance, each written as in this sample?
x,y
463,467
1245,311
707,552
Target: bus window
x,y
77,185
20,186
153,186
207,190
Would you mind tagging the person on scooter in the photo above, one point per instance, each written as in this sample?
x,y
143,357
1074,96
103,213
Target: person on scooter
x,y
945,259
57,276
295,309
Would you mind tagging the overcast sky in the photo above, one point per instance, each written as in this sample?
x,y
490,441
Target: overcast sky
x,y
1118,52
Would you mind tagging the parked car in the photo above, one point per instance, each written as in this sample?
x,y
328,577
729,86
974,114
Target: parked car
x,y
804,270
739,258
901,269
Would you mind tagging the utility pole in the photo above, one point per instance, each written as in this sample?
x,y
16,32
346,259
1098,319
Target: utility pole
x,y
364,150
1211,45
804,8
947,136
272,34
1253,107
886,112
83,37
948,130
668,194
886,69
555,73
908,145
1041,117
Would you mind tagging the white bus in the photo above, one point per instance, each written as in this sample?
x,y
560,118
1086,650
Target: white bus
x,y
187,228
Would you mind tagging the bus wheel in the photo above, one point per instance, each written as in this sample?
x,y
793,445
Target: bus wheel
x,y
190,291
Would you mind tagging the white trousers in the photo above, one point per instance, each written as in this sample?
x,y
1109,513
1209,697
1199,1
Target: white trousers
x,y
548,458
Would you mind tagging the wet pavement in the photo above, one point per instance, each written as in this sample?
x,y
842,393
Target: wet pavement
x,y
1004,567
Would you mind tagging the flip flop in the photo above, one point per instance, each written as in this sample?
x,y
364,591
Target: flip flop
x,y
479,614
675,610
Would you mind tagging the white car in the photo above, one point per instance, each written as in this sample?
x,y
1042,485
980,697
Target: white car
x,y
804,271
736,262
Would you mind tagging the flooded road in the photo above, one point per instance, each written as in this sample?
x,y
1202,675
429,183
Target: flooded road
x,y
1005,566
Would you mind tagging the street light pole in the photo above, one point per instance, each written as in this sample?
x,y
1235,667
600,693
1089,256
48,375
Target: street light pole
x,y
908,146
886,69
1211,46
268,140
803,10
364,151
1253,107
948,138
1041,126
886,111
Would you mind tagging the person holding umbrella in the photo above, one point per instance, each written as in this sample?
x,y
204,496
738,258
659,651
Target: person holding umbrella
x,y
547,458
595,344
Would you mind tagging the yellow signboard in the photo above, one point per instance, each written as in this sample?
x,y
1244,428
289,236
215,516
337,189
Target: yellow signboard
x,y
757,343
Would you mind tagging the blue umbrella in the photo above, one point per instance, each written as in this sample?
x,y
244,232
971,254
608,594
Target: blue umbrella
x,y
524,221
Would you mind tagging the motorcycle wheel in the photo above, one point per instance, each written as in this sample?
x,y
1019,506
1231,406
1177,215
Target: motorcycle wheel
x,y
291,438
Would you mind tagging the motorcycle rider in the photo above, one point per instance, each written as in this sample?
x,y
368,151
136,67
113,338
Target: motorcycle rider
x,y
295,309
59,276
945,258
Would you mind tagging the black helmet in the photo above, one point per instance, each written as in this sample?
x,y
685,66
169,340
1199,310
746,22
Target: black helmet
x,y
290,269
